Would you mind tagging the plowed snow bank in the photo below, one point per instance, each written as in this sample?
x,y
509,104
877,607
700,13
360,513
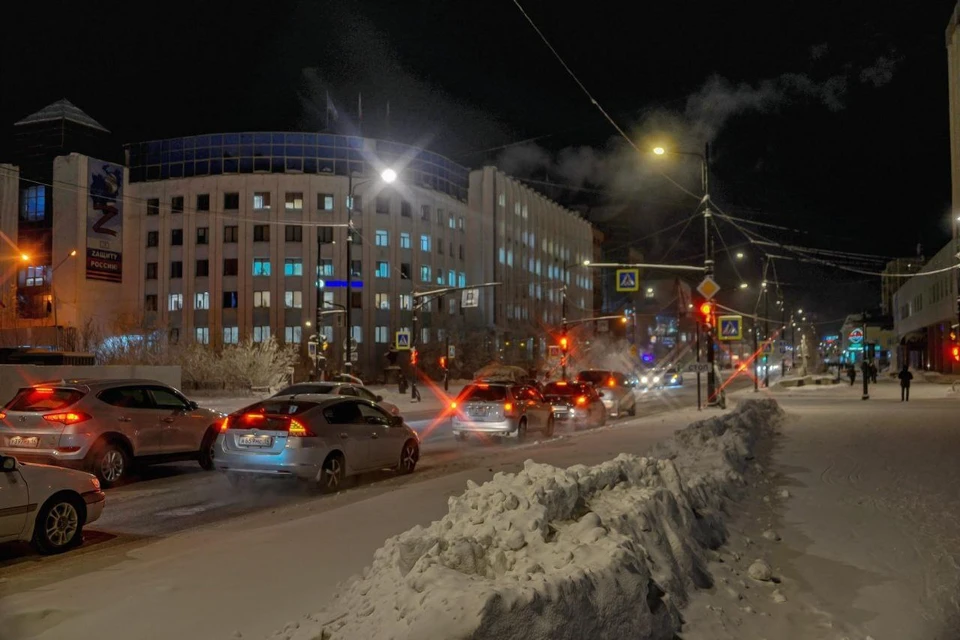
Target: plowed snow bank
x,y
604,551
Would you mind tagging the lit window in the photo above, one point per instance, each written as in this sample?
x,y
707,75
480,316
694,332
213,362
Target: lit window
x,y
175,302
356,333
452,222
424,243
461,279
383,269
36,276
382,300
293,267
292,335
261,266
425,273
406,302
202,335
261,200
404,240
325,268
381,335
261,334
324,202
261,299
293,299
382,238
439,276
502,199
460,223
33,203
201,301
231,335
293,201
451,278
424,335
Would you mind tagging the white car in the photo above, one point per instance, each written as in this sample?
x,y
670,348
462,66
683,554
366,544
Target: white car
x,y
48,506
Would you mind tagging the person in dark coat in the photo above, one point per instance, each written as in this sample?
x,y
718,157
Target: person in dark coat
x,y
852,374
905,378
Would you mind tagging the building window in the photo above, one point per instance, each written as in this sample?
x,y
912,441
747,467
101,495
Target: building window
x,y
404,240
356,299
440,246
439,216
405,271
33,203
424,335
176,204
324,202
452,223
460,223
229,299
261,266
381,335
356,333
203,202
293,233
153,238
203,235
261,299
151,273
451,278
425,273
461,279
383,204
293,299
424,243
202,335
175,302
451,309
176,237
176,269
153,206
381,238
406,302
231,201
406,210
325,235
292,335
261,200
174,335
201,301
202,268
261,233
231,267
328,299
383,269
461,252
439,276
293,201
231,335
150,302
293,267
382,301
425,212
230,234
356,268
261,334
325,268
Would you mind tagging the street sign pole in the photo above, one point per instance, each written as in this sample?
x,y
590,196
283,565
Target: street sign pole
x,y
699,402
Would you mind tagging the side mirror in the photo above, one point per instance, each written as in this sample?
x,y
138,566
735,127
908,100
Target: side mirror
x,y
8,464
194,405
379,398
396,421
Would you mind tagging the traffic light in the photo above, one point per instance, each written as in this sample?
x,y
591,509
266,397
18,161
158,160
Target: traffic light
x,y
564,344
324,345
443,362
956,354
706,312
413,357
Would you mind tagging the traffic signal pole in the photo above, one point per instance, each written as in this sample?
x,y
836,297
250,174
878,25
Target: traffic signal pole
x,y
563,334
708,272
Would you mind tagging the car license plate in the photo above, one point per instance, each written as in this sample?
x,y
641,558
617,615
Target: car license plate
x,y
477,412
21,441
256,441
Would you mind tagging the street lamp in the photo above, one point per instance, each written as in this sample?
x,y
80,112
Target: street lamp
x,y
53,292
744,285
739,255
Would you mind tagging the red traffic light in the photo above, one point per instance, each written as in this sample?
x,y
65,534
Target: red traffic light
x,y
563,343
413,356
956,354
706,308
443,362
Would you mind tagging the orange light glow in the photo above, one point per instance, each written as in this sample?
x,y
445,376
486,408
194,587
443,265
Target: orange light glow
x,y
562,383
254,416
507,407
582,400
68,417
453,405
298,430
706,308
2,415
43,390
612,382
225,424
564,343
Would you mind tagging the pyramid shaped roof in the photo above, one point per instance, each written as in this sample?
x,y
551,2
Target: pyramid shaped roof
x,y
62,110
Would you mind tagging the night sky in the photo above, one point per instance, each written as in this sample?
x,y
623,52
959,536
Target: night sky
x,y
829,120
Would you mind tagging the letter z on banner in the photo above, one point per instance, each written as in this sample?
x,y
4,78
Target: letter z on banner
x,y
105,221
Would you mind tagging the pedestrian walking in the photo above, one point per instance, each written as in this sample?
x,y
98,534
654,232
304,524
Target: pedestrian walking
x,y
905,378
873,373
852,374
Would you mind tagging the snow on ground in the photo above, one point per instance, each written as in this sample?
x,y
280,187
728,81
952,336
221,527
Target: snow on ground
x,y
611,550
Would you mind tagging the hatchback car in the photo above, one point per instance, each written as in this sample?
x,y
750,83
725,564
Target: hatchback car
x,y
614,389
46,506
318,438
105,426
575,403
339,389
501,410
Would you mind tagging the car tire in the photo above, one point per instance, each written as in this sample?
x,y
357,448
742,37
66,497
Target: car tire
x,y
549,429
522,430
331,474
110,462
205,456
59,525
409,456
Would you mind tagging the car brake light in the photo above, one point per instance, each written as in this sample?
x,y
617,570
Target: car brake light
x,y
67,417
43,390
582,400
612,382
507,407
253,416
484,386
298,430
2,415
225,425
561,384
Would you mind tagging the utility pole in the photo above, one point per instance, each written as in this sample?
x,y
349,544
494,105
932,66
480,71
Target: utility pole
x,y
766,331
863,364
708,270
563,333
348,351
756,349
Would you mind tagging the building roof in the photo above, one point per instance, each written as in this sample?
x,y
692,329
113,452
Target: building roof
x,y
62,110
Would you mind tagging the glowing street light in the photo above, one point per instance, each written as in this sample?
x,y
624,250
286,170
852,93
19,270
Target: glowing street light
x,y
24,257
744,285
586,263
739,255
659,151
388,175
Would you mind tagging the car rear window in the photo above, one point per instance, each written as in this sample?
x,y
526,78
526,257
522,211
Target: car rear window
x,y
306,388
44,399
484,393
280,407
561,389
593,377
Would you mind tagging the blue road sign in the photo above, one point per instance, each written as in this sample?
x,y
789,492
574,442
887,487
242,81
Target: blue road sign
x,y
731,327
342,284
628,279
403,340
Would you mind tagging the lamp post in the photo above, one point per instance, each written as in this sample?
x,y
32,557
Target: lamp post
x,y
388,176
563,314
53,293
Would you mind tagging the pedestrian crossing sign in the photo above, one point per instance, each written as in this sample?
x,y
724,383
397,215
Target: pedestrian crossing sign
x,y
628,280
403,340
731,328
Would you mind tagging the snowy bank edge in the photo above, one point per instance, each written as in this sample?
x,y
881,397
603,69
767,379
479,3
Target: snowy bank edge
x,y
611,549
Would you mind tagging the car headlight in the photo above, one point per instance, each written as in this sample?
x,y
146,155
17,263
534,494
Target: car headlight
x,y
656,379
644,380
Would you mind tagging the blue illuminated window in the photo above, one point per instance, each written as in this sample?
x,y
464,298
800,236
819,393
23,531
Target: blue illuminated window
x,y
261,266
33,203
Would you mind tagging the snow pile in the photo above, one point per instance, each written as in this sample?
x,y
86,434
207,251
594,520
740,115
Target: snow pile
x,y
611,549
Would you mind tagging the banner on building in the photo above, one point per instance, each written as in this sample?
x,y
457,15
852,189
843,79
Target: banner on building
x,y
470,298
104,221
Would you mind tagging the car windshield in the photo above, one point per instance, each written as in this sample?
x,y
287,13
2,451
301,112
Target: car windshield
x,y
44,399
483,393
594,377
564,389
306,388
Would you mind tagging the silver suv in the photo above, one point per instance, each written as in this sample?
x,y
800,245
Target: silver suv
x,y
502,410
104,426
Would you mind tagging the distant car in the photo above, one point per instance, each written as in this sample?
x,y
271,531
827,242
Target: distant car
x,y
46,506
346,377
577,403
105,426
500,409
671,377
339,389
317,438
614,389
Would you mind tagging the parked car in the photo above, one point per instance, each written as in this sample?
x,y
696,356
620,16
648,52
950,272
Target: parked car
x,y
46,506
106,426
577,403
346,377
500,409
615,390
339,389
318,438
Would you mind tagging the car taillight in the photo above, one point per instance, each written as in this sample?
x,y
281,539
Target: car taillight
x,y
67,417
611,382
2,415
297,429
582,400
44,391
225,424
507,408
